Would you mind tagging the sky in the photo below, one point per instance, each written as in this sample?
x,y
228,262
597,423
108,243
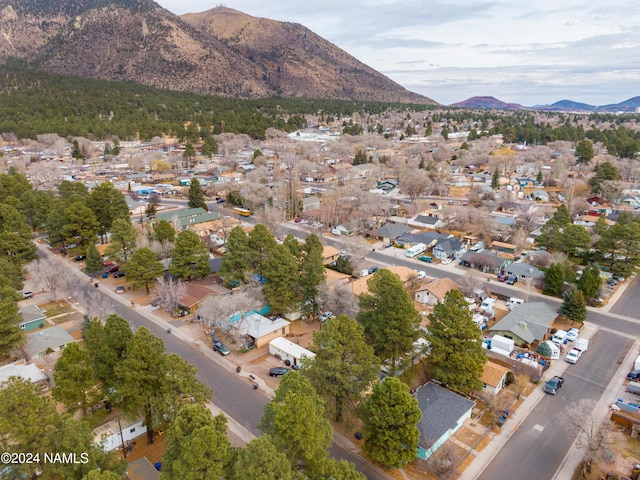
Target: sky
x,y
528,52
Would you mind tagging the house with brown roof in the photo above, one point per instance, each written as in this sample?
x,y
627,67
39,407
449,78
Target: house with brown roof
x,y
195,295
329,254
494,377
434,291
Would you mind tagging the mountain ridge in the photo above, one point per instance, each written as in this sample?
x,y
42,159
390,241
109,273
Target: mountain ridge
x,y
630,105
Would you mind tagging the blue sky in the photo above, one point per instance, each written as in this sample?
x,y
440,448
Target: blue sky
x,y
530,53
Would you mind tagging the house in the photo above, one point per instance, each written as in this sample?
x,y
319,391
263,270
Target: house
x,y
449,247
142,469
348,228
330,254
112,434
387,185
32,318
494,377
390,232
540,195
487,262
427,221
135,208
525,272
186,217
527,182
435,291
261,329
405,274
195,295
52,339
429,238
310,203
526,324
443,413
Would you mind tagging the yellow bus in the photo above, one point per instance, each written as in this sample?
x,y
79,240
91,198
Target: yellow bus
x,y
245,212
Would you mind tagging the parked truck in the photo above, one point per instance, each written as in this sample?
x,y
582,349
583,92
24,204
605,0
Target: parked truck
x,y
553,385
581,346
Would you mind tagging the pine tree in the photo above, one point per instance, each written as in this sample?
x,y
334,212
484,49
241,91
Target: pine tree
x,y
495,179
190,257
235,263
260,459
562,216
261,242
280,271
75,382
590,281
391,417
143,268
553,280
539,177
196,195
11,335
457,357
123,239
312,275
574,306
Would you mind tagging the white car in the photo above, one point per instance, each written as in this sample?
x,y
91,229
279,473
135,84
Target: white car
x,y
326,316
421,275
572,334
446,261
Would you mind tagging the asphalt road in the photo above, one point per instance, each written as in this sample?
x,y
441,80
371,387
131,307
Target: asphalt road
x,y
541,442
629,303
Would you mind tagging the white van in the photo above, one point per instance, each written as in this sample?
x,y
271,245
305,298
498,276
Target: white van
x,y
559,337
514,302
364,273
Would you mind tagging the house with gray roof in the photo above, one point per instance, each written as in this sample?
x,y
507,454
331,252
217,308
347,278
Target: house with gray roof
x,y
429,238
525,271
449,247
443,413
427,221
390,232
528,323
32,318
487,262
52,339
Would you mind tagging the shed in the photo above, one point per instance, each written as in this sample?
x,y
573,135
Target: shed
x,y
289,351
443,413
494,377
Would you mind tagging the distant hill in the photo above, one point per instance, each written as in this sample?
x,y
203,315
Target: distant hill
x,y
139,41
488,103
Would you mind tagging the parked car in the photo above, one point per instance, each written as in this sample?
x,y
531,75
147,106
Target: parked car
x,y
633,375
553,385
297,220
120,289
221,349
278,371
219,200
27,294
79,258
118,274
373,270
512,280
446,261
422,274
572,334
112,268
502,277
326,316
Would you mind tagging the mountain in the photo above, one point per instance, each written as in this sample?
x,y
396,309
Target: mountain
x,y
139,41
487,102
296,61
566,106
630,105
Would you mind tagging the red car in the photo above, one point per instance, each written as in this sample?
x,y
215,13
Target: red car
x,y
502,278
112,268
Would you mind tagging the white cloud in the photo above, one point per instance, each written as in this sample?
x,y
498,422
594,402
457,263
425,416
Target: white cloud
x,y
523,52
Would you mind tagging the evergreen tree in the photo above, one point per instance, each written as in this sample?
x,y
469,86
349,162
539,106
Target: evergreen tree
x,y
235,263
189,153
261,460
94,259
76,151
261,242
107,203
143,268
80,223
190,257
603,172
389,318
601,225
11,335
155,385
539,177
312,275
280,271
11,274
209,147
360,158
342,469
294,419
75,383
553,280
107,347
574,306
550,236
196,195
562,216
164,231
584,151
16,244
576,240
590,281
197,446
123,239
457,357
391,417
344,366
495,179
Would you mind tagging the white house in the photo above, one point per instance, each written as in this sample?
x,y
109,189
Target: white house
x,y
494,377
112,434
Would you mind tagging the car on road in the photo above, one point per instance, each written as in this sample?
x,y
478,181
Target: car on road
x,y
221,349
422,275
298,220
553,385
278,371
118,274
572,334
27,294
120,289
512,280
326,316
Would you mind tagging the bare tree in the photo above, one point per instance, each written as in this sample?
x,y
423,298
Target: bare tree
x,y
51,274
521,382
272,218
582,420
357,247
415,183
97,305
169,293
470,282
340,299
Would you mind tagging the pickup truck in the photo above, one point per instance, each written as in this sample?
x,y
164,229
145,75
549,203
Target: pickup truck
x,y
553,385
574,355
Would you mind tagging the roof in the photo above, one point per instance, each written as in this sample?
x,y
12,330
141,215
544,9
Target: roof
x,y
427,238
291,348
526,269
257,326
329,251
393,230
530,321
27,372
194,294
485,259
493,373
426,219
188,216
441,411
142,469
448,245
31,313
439,287
52,337
405,273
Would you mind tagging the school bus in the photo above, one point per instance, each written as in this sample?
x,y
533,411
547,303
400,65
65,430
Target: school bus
x,y
245,212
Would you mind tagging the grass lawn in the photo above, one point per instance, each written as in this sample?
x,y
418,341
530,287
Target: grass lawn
x,y
52,309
